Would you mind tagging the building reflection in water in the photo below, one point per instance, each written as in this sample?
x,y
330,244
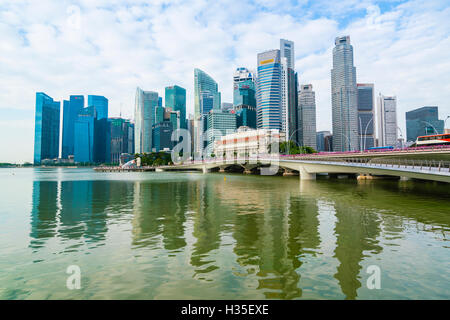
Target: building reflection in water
x,y
272,226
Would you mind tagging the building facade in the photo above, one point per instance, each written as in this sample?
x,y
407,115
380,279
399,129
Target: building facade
x,y
175,98
366,116
46,130
344,97
423,121
307,117
100,103
248,142
121,141
324,141
71,109
144,115
162,136
85,142
268,90
387,121
218,124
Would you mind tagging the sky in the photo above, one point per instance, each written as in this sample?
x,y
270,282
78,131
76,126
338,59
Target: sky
x,y
109,47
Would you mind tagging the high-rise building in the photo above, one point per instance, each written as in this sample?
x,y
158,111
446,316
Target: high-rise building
x,y
175,97
243,88
344,97
219,124
162,136
323,141
46,130
268,90
366,116
288,90
71,109
159,114
387,121
206,97
423,121
245,116
144,113
85,142
100,103
120,138
203,83
307,116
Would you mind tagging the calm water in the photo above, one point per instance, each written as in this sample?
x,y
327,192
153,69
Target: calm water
x,y
195,236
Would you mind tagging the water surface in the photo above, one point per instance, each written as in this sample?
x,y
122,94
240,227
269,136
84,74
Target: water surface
x,y
195,236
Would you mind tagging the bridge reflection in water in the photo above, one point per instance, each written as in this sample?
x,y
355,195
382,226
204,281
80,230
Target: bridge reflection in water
x,y
197,236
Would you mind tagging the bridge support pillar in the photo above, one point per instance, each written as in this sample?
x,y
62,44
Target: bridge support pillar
x,y
304,175
222,169
205,170
405,178
159,170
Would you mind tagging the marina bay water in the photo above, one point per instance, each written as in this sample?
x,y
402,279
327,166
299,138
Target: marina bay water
x,y
200,236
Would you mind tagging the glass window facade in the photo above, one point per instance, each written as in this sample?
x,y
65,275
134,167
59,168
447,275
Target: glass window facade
x,y
46,131
176,100
71,109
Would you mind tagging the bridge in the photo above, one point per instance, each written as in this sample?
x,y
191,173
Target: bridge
x,y
416,163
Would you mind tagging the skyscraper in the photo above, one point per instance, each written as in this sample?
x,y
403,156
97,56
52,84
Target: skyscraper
x,y
203,83
307,116
46,130
288,90
175,97
85,142
423,121
323,141
243,88
268,92
219,124
71,109
344,97
144,113
387,121
366,116
206,98
100,103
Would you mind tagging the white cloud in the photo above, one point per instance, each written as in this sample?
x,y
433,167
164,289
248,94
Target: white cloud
x,y
114,46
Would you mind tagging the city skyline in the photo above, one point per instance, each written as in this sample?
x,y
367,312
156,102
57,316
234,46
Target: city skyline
x,y
369,29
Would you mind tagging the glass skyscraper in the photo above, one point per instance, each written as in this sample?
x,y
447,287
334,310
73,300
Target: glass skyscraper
x,y
344,97
175,97
46,130
423,121
203,83
71,109
101,106
243,88
85,136
144,115
268,93
219,124
366,116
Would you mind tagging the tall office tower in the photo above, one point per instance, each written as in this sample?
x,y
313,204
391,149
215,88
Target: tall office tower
x,y
288,89
162,136
119,138
287,51
159,114
203,83
344,97
245,116
46,128
219,124
307,116
243,88
206,98
144,113
130,148
71,108
86,137
366,116
323,141
423,121
175,97
190,128
101,106
103,143
387,121
268,90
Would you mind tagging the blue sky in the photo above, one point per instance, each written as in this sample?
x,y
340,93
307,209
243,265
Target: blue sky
x,y
109,47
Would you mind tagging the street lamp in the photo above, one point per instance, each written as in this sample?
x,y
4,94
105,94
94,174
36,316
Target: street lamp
x,y
445,121
365,133
432,126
